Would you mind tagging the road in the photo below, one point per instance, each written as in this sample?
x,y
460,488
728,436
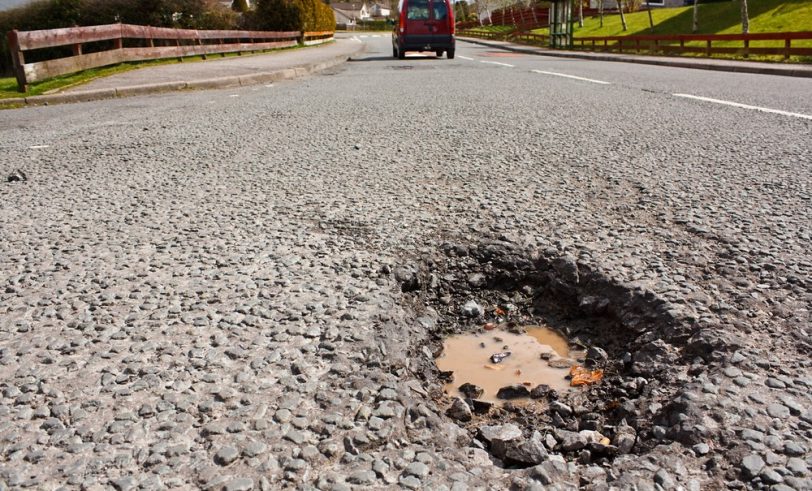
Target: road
x,y
236,288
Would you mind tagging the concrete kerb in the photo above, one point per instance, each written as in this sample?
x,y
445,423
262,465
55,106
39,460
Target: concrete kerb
x,y
740,67
214,83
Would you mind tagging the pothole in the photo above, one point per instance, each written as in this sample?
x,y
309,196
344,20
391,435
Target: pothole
x,y
505,363
623,347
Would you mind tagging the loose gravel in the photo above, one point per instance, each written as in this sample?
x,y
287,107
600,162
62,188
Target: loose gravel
x,y
214,292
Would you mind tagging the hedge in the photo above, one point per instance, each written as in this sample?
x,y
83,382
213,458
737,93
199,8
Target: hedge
x,y
293,15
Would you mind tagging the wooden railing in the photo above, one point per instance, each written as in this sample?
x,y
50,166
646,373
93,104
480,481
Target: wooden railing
x,y
701,44
517,36
118,43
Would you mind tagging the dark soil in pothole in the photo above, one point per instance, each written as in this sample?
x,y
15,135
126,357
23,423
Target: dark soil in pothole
x,y
638,339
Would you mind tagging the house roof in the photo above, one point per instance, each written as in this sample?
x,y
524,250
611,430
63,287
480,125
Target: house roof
x,y
348,6
343,17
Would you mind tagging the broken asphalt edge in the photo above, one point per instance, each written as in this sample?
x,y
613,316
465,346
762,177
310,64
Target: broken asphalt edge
x,y
740,67
212,83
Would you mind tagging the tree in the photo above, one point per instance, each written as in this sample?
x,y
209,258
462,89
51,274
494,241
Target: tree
x,y
745,18
695,28
622,17
650,19
580,13
240,6
600,11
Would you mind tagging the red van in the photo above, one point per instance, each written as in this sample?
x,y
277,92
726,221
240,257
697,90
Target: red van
x,y
424,25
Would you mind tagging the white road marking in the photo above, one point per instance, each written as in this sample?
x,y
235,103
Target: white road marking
x,y
234,95
496,63
745,106
37,147
269,85
601,82
465,58
364,36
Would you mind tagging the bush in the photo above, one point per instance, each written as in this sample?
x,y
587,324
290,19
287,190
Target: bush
x,y
292,15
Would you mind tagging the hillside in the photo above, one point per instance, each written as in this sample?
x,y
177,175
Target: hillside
x,y
714,18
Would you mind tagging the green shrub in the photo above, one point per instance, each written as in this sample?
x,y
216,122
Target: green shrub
x,y
293,15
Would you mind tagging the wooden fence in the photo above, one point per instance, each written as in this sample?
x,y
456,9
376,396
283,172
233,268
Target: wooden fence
x,y
701,44
96,46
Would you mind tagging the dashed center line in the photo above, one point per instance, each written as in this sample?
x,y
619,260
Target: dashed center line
x,y
38,147
601,82
744,106
465,58
496,63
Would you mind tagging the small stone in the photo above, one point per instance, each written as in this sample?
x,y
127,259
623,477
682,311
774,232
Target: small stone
x,y
239,484
751,465
797,466
732,372
226,455
459,410
417,469
664,479
472,309
770,476
540,391
471,391
500,432
514,391
595,355
560,408
778,411
793,449
701,449
17,176
774,383
124,483
362,477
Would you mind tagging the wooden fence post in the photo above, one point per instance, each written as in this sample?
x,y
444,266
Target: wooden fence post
x,y
708,49
746,48
787,47
18,60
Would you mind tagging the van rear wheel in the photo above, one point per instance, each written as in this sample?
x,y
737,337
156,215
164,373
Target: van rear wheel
x,y
401,54
394,51
450,54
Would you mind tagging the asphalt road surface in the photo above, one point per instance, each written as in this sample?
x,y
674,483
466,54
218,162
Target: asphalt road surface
x,y
206,289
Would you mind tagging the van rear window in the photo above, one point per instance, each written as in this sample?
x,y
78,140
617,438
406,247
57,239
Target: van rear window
x,y
418,10
440,9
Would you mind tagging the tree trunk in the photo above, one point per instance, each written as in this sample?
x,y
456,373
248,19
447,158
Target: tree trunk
x,y
580,13
745,18
600,11
650,19
622,17
695,28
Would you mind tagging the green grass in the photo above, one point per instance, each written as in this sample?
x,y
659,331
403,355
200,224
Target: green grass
x,y
497,29
8,85
714,18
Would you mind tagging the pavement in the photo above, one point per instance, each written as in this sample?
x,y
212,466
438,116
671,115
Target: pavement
x,y
250,69
788,70
245,288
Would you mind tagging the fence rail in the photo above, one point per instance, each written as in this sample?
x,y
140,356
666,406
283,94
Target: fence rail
x,y
118,43
678,44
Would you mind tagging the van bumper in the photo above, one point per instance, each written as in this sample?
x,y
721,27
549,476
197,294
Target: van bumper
x,y
426,42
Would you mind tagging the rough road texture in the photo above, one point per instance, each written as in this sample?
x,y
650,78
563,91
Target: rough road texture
x,y
200,291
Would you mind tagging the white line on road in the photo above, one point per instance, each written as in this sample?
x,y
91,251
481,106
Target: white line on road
x,y
496,63
745,106
37,147
234,95
465,58
601,82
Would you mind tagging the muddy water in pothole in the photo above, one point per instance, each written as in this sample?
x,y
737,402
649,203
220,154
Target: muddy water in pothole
x,y
531,354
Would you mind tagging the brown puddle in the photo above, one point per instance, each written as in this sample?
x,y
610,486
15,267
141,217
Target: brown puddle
x,y
529,363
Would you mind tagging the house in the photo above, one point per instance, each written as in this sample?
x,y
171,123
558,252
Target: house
x,y
378,11
350,13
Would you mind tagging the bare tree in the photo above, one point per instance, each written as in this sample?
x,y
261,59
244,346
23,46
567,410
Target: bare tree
x,y
745,18
622,17
600,11
695,28
580,13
